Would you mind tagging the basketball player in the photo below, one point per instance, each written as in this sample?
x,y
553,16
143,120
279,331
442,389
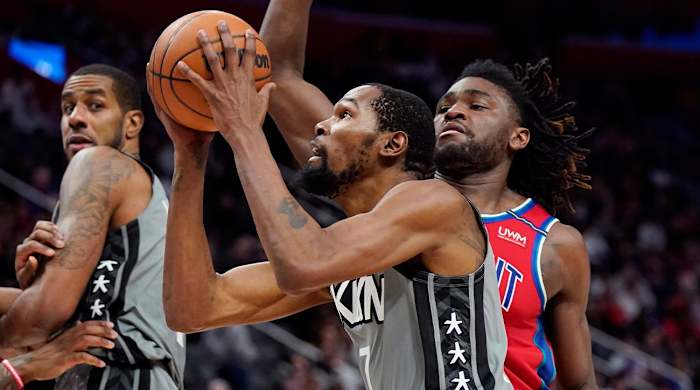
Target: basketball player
x,y
54,358
410,270
111,212
506,143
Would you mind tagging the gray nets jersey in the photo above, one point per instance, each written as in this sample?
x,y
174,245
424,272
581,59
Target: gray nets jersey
x,y
126,288
412,329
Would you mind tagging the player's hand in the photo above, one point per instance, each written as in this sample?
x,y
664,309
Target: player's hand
x,y
182,136
44,240
238,109
66,351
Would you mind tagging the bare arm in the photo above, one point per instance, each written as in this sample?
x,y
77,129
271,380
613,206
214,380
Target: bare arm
x,y
568,326
7,297
296,106
304,256
88,198
195,296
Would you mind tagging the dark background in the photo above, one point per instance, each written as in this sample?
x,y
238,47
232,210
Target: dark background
x,y
633,67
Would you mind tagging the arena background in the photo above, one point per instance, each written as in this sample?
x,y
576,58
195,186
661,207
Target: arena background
x,y
633,66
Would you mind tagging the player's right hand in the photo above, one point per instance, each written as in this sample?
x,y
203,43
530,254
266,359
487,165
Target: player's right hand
x,y
44,240
66,351
179,134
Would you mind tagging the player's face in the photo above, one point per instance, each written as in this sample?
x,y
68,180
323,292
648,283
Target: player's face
x,y
474,121
91,114
343,146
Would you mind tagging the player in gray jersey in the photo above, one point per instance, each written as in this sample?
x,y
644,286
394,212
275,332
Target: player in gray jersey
x,y
111,213
409,270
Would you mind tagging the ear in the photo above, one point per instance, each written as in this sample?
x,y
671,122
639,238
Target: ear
x,y
133,122
519,138
395,144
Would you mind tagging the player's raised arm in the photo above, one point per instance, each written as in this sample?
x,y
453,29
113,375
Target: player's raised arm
x,y
195,296
296,106
304,256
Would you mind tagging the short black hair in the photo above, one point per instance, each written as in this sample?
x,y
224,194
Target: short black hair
x,y
124,86
551,164
399,110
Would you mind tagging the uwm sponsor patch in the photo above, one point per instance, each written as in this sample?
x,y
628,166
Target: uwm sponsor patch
x,y
359,301
513,236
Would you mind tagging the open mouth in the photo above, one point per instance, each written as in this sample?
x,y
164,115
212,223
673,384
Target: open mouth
x,y
317,153
79,142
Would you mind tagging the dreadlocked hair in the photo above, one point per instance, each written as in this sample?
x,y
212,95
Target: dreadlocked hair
x,y
551,163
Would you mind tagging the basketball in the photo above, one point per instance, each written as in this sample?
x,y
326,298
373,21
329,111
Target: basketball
x,y
176,95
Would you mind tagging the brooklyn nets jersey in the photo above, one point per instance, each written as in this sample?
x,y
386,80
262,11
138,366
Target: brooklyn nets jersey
x,y
412,329
126,288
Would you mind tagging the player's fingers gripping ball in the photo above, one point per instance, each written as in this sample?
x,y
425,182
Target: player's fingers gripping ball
x,y
171,90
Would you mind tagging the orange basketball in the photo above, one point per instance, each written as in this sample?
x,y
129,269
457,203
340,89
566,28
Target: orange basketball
x,y
172,92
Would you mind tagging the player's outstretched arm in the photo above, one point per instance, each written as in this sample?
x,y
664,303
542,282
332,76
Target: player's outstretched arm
x,y
296,106
195,297
567,323
93,186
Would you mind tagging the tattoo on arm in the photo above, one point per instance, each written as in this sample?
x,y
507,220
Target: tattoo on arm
x,y
295,215
87,200
477,246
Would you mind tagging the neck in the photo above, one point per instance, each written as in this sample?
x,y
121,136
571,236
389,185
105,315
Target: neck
x,y
487,190
363,195
131,150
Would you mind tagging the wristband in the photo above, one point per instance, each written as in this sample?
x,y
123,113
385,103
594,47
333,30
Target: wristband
x,y
18,381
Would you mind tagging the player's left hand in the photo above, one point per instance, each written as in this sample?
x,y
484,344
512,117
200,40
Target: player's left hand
x,y
66,350
238,109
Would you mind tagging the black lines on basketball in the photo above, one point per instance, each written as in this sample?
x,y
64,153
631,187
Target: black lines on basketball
x,y
182,25
182,100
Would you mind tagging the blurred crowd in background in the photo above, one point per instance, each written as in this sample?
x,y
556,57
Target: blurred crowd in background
x,y
628,64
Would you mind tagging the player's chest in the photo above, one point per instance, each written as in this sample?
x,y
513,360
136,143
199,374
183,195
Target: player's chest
x,y
517,255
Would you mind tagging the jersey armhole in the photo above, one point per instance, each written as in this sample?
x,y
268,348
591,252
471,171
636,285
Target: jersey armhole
x,y
537,259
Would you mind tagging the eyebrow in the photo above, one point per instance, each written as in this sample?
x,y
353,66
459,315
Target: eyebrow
x,y
91,91
470,91
476,92
351,100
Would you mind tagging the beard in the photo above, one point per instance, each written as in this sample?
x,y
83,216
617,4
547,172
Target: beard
x,y
321,180
459,160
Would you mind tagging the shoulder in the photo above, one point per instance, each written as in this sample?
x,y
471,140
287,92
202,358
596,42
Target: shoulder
x,y
566,239
432,194
101,159
426,202
565,252
426,191
104,170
